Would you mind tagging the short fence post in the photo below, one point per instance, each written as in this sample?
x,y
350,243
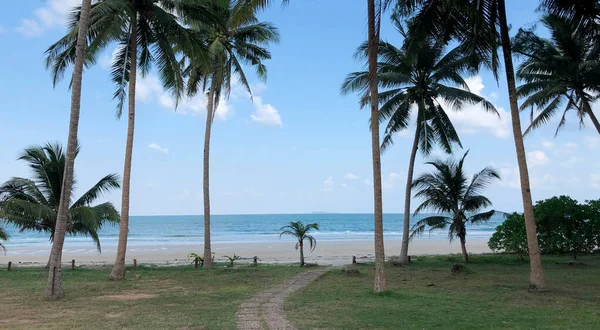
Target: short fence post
x,y
255,261
196,261
9,265
134,263
409,259
73,264
353,259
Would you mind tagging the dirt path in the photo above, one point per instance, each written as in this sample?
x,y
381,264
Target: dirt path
x,y
265,310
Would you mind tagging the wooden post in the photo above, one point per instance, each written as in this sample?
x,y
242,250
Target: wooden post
x,y
409,259
9,266
255,261
196,261
353,259
73,264
134,263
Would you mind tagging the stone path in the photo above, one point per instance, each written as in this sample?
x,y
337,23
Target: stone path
x,y
265,310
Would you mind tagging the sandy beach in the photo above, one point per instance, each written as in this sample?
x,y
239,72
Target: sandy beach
x,y
326,252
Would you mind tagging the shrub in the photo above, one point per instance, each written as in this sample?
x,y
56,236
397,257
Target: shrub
x,y
510,236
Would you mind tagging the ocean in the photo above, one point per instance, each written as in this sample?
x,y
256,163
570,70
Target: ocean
x,y
161,231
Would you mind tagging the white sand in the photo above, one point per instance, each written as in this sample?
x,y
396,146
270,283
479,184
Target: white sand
x,y
326,252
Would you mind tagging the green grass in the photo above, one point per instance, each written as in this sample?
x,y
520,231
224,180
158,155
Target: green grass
x,y
493,293
161,298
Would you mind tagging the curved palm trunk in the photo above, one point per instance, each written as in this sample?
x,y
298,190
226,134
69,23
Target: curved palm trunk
x,y
301,253
403,258
118,271
205,185
54,287
537,279
373,42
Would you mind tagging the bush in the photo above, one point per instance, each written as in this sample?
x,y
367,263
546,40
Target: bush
x,y
510,236
563,226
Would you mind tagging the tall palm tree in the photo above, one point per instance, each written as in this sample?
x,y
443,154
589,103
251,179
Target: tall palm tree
x,y
420,81
448,191
583,13
557,71
146,32
54,287
475,24
32,204
237,38
301,232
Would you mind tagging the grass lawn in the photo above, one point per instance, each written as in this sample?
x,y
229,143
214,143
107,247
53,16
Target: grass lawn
x,y
491,294
161,298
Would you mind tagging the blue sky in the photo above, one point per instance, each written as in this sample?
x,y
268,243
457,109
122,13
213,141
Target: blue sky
x,y
300,147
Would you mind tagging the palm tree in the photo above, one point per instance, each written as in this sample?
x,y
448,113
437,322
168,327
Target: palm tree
x,y
3,237
420,81
301,232
584,13
148,32
559,70
54,287
474,24
448,191
32,204
237,38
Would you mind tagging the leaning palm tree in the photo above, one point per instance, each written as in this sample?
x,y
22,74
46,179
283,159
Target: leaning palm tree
x,y
448,192
557,71
146,33
474,24
33,204
301,233
425,81
237,38
54,286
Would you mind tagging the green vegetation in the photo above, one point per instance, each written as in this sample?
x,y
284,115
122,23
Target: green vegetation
x,y
564,226
301,232
32,204
448,191
232,259
150,298
492,293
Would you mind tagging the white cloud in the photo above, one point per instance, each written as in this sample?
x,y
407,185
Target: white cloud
x,y
472,119
149,89
158,148
2,29
328,184
265,114
537,158
368,182
351,176
349,187
592,142
509,175
106,61
570,162
389,183
494,96
570,145
53,14
547,144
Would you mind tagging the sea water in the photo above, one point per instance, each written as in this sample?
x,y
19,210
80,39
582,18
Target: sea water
x,y
162,231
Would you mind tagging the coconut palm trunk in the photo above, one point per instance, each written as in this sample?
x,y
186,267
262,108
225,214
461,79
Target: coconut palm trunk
x,y
537,279
54,287
463,248
301,243
118,271
206,173
403,258
373,43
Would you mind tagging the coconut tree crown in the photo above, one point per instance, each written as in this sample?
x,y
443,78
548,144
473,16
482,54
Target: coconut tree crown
x,y
32,204
301,232
449,192
559,74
